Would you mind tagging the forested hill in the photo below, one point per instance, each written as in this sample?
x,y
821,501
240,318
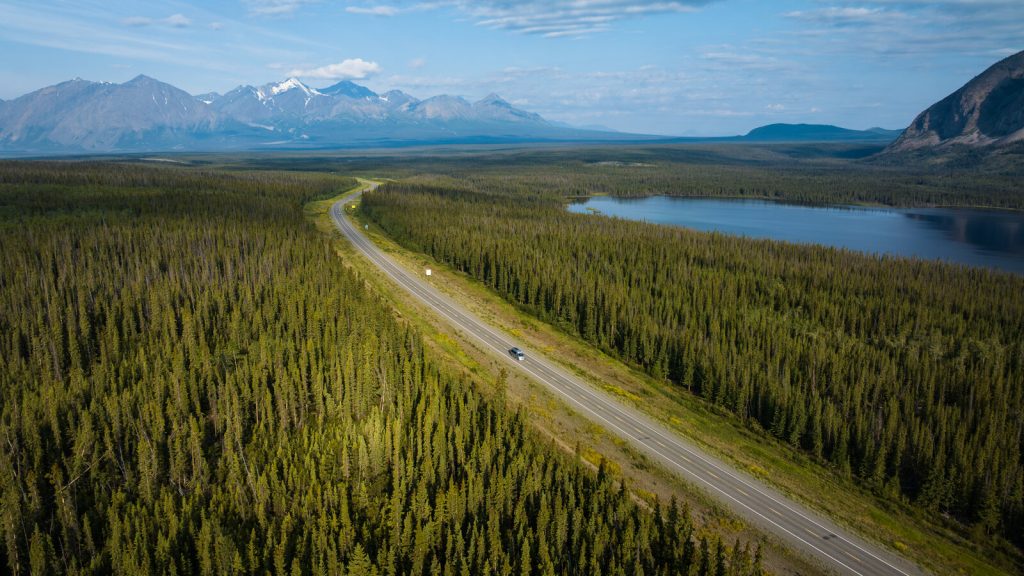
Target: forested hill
x,y
907,376
192,383
816,133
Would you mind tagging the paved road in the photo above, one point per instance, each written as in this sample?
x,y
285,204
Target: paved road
x,y
802,529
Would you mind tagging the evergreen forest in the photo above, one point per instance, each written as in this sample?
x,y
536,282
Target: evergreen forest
x,y
193,382
815,173
906,376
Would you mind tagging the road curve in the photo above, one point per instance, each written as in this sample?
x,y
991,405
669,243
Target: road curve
x,y
804,530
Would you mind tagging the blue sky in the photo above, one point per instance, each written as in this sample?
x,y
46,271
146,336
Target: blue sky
x,y
685,67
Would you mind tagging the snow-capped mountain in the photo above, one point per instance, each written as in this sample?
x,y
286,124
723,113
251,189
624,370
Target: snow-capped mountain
x,y
271,103
145,114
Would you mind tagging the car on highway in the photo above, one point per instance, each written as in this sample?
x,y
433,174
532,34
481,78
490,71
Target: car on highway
x,y
517,354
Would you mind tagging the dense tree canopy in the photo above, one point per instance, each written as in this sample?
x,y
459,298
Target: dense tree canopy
x,y
810,172
192,383
907,375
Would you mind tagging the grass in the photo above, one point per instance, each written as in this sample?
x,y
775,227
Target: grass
x,y
938,548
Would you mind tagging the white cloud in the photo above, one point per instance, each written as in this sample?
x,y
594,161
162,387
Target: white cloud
x,y
417,63
151,45
352,68
177,21
275,7
847,15
914,27
380,10
174,20
567,18
548,18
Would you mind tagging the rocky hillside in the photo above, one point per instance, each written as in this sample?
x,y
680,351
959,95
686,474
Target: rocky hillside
x,y
988,111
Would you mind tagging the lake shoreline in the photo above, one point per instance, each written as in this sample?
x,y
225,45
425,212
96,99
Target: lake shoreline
x,y
980,207
972,236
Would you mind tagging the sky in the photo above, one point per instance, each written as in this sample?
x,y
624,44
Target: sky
x,y
675,67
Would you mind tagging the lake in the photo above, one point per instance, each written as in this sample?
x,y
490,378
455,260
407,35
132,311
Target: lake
x,y
988,238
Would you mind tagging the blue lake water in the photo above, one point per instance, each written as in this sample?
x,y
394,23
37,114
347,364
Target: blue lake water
x,y
988,238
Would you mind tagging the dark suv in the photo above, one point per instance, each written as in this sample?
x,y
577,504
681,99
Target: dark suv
x,y
516,353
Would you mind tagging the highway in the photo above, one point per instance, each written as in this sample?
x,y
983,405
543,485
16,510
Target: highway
x,y
835,548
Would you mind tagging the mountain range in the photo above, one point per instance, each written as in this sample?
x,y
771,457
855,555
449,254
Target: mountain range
x,y
145,114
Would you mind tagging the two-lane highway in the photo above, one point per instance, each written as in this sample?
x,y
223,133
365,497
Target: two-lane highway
x,y
836,548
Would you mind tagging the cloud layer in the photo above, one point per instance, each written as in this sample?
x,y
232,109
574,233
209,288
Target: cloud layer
x,y
349,69
558,18
895,27
637,66
379,10
275,7
174,21
548,18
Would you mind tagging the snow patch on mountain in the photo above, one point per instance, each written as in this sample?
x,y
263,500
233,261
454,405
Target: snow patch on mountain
x,y
292,84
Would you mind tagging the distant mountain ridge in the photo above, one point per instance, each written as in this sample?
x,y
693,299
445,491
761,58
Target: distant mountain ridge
x,y
815,133
988,111
84,115
144,114
800,133
349,89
